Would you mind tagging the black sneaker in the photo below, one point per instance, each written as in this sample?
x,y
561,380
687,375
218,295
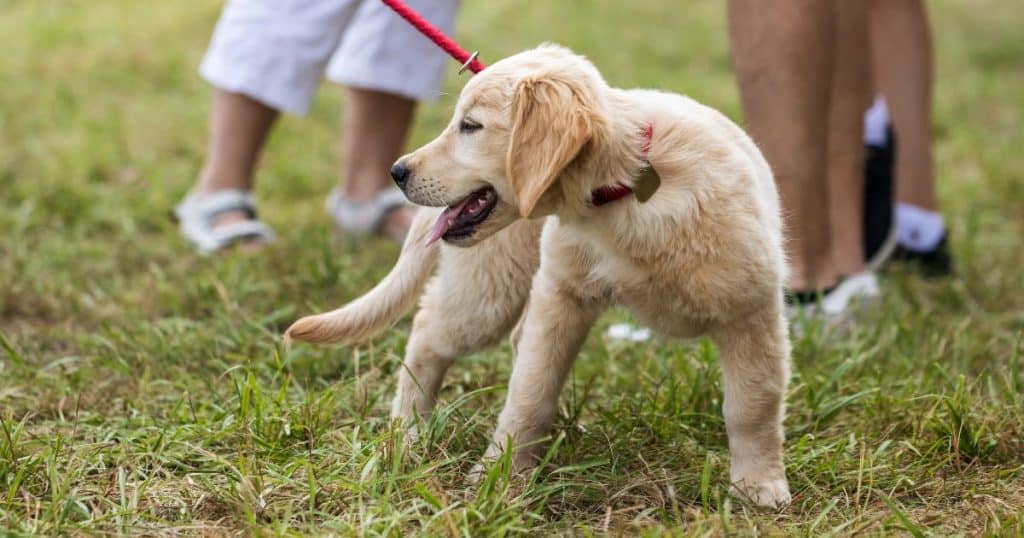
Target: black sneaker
x,y
879,228
937,262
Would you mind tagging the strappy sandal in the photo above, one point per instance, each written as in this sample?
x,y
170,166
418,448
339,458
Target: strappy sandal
x,y
196,216
364,218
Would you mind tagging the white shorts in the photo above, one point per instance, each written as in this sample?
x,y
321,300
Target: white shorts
x,y
278,51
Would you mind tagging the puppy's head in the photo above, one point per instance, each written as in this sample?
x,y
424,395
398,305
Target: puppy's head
x,y
519,127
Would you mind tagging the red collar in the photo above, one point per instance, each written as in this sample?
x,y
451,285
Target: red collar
x,y
606,194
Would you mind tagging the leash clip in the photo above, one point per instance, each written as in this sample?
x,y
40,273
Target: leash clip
x,y
472,57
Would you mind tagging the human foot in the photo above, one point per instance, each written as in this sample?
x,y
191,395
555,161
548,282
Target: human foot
x,y
385,213
835,303
217,220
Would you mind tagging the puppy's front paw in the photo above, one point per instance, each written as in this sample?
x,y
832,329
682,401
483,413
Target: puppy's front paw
x,y
522,464
769,493
476,475
479,471
412,434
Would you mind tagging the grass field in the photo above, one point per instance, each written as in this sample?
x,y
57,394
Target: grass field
x,y
144,389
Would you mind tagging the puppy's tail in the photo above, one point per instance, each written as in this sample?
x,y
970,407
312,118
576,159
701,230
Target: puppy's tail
x,y
382,306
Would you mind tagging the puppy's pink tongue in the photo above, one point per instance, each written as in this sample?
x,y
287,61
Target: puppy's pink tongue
x,y
446,220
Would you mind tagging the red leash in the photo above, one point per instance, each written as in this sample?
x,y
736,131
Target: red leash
x,y
449,45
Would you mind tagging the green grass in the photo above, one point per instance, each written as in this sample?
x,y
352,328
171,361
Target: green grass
x,y
144,389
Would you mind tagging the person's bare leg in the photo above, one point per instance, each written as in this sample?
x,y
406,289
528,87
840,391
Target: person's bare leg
x,y
851,96
902,64
783,58
238,128
375,130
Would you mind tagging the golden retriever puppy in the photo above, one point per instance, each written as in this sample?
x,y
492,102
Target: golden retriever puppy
x,y
554,196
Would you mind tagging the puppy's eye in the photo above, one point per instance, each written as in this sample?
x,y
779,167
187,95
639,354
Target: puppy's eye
x,y
468,126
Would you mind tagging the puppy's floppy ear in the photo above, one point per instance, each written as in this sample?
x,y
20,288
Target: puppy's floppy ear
x,y
551,122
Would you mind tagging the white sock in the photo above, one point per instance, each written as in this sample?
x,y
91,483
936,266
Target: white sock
x,y
876,123
918,229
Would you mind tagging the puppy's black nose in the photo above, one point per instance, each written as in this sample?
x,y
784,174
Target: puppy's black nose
x,y
400,173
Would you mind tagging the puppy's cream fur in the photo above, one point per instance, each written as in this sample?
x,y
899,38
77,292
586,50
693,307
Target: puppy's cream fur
x,y
703,256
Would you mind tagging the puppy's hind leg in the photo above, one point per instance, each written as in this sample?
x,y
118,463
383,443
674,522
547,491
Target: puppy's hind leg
x,y
755,364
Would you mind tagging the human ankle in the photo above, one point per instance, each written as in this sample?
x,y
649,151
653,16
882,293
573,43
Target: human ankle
x,y
813,286
214,178
810,278
362,191
210,187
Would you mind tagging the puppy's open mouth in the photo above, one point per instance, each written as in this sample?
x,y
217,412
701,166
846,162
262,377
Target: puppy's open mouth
x,y
461,219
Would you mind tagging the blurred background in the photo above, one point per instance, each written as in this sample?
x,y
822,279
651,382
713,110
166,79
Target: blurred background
x,y
142,386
